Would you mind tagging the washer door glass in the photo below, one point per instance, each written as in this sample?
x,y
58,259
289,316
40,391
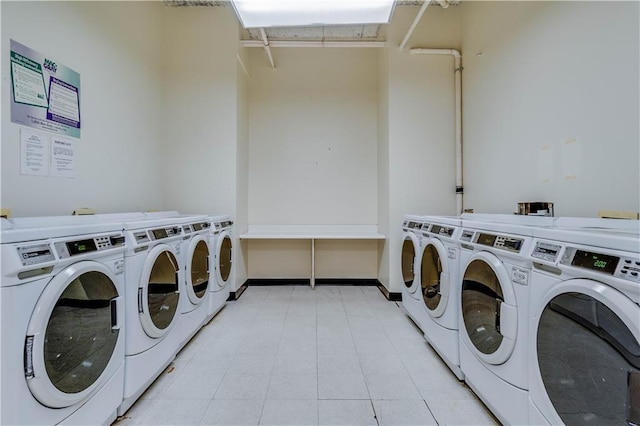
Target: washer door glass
x,y
199,275
408,256
225,258
589,362
430,277
80,338
482,297
162,294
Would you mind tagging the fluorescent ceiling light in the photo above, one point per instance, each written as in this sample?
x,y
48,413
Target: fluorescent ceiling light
x,y
298,13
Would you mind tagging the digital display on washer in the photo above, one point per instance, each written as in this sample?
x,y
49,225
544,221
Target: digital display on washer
x,y
486,239
82,246
159,233
595,261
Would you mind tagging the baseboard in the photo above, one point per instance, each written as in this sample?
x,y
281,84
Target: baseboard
x,y
347,281
235,295
278,281
391,296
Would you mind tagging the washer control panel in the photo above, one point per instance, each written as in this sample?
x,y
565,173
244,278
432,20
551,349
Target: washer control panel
x,y
165,232
200,226
466,235
409,225
546,251
625,268
442,230
501,242
141,237
70,248
35,254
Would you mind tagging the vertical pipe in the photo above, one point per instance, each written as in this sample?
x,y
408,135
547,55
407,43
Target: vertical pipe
x,y
458,95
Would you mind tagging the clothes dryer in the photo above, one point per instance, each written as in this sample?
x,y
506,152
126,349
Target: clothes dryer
x,y
494,291
222,245
198,277
154,273
584,335
414,234
62,321
440,267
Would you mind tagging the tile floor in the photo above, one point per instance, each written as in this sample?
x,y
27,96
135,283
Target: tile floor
x,y
289,355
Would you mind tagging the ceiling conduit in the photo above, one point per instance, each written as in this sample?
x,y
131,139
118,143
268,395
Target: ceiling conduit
x,y
458,112
267,49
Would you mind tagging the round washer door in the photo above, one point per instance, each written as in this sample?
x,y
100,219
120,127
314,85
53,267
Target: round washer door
x,y
587,346
434,277
410,246
489,310
197,269
224,252
159,291
73,335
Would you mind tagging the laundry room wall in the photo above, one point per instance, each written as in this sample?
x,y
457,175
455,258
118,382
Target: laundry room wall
x,y
421,126
551,106
205,135
114,46
242,167
384,224
313,154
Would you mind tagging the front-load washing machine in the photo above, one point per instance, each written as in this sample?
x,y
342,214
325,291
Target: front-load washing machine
x,y
494,306
414,234
62,321
154,276
198,260
440,293
222,246
584,332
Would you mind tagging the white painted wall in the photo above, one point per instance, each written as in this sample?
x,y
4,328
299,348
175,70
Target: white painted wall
x,y
114,46
313,137
200,109
549,72
205,133
421,127
242,168
384,224
313,157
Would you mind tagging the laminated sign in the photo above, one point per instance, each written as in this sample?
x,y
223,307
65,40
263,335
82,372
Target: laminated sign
x,y
45,93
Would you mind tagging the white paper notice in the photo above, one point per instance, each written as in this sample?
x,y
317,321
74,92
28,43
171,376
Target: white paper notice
x,y
62,157
34,153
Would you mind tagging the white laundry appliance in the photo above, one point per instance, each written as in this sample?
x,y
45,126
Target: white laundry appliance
x,y
154,273
414,234
439,272
222,246
596,223
512,219
198,277
584,335
62,321
494,293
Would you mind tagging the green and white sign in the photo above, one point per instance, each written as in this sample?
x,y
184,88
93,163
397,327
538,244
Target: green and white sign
x,y
45,93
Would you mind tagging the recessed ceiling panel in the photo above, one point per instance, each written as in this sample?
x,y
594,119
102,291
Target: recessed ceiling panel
x,y
295,13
